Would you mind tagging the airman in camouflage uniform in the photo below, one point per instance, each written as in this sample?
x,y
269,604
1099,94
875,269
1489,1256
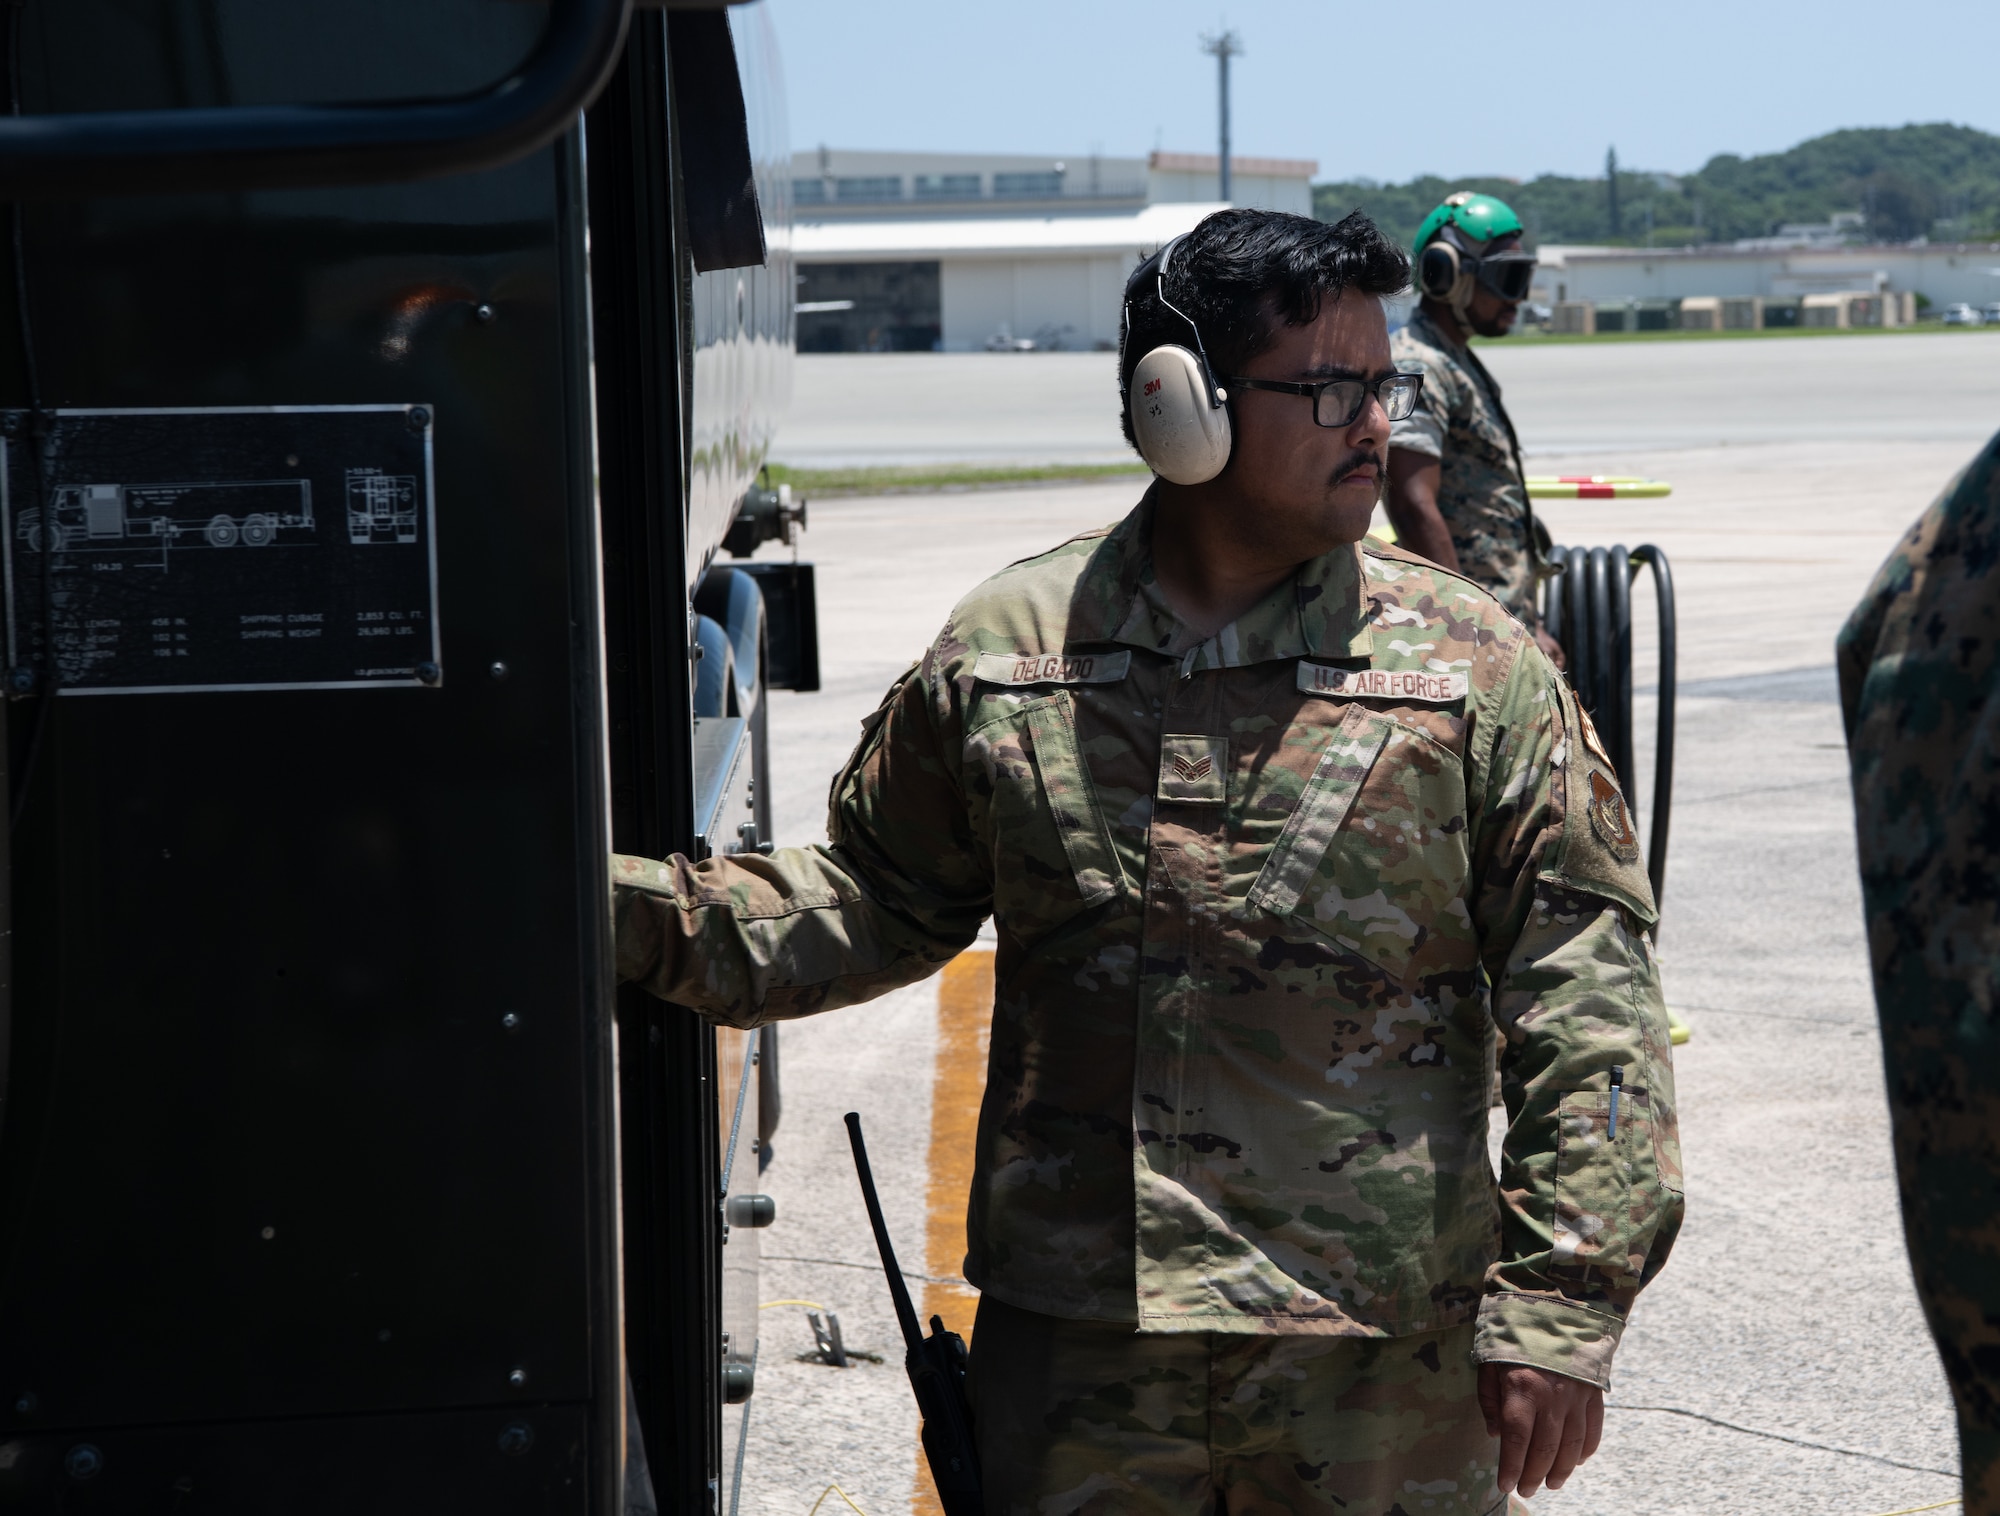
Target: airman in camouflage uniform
x,y
1456,492
1920,689
1261,896
1481,495
1256,897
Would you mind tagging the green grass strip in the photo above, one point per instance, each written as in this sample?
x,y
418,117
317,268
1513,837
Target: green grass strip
x,y
825,483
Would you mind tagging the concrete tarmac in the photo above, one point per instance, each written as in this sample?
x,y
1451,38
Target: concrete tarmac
x,y
851,409
1780,1364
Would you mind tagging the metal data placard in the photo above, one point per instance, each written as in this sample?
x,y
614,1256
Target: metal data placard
x,y
226,548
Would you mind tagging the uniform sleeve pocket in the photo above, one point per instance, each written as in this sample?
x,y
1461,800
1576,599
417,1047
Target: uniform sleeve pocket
x,y
1608,1195
871,735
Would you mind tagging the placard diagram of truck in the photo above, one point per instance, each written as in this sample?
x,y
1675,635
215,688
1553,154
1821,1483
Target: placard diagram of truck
x,y
381,508
250,512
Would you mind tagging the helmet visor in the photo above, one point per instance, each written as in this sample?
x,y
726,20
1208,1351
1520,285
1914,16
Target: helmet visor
x,y
1509,275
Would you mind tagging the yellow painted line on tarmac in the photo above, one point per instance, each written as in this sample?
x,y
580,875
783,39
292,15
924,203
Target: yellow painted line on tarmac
x,y
964,1028
834,1489
965,1016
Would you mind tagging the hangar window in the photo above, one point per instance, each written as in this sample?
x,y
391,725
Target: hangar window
x,y
869,308
869,187
1050,183
947,186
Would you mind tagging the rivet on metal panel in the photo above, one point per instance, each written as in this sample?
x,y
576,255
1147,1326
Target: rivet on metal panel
x,y
516,1438
28,1404
511,1021
482,313
20,680
420,417
428,672
83,1461
268,1233
498,670
517,1378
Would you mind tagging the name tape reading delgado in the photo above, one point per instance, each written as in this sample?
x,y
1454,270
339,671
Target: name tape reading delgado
x,y
1383,684
1051,668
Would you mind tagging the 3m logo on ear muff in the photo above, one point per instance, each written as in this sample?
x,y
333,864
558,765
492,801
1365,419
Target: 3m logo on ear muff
x,y
1182,428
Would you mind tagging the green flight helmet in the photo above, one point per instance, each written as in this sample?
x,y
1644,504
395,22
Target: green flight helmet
x,y
1480,218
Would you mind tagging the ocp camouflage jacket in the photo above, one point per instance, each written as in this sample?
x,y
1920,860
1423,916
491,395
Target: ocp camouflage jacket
x,y
1258,899
1482,497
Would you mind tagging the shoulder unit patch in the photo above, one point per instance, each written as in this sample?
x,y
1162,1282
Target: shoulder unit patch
x,y
1610,818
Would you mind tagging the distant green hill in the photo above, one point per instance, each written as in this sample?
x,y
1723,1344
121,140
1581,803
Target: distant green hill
x,y
1939,181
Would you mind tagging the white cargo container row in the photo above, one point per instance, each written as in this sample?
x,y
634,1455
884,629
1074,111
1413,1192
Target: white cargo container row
x,y
1944,272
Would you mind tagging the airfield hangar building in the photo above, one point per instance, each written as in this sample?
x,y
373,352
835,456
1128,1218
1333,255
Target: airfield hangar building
x,y
952,252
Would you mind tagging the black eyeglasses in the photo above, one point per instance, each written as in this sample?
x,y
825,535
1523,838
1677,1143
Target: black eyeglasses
x,y
1336,402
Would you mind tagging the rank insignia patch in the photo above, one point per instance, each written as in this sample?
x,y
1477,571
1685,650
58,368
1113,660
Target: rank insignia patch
x,y
1191,770
1610,817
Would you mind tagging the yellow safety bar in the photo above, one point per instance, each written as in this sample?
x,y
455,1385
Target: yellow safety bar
x,y
1596,487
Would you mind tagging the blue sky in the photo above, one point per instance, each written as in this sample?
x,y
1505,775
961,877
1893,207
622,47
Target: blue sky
x,y
1669,85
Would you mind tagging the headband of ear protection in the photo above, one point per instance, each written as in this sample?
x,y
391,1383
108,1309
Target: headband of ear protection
x,y
1179,416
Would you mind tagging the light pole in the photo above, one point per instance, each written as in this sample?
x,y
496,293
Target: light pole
x,y
1224,45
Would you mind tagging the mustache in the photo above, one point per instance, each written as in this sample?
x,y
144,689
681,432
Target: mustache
x,y
1362,459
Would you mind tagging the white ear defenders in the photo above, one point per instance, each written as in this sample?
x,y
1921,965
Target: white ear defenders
x,y
1179,418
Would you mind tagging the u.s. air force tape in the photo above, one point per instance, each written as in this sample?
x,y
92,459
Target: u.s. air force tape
x,y
1051,668
1415,685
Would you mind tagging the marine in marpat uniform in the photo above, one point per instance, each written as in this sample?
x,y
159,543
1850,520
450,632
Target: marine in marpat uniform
x,y
1456,491
1920,689
1273,827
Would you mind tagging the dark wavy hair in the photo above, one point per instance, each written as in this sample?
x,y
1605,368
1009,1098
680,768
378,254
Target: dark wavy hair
x,y
1241,273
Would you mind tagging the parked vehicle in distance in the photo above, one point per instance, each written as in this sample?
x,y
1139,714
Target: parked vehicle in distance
x,y
1992,313
1960,314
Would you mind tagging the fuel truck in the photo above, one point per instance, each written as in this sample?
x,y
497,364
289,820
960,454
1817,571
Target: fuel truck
x,y
379,384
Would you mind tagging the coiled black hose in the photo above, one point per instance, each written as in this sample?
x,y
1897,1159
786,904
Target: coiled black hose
x,y
1588,609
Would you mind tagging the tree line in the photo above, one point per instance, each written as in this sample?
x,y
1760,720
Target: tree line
x,y
1938,181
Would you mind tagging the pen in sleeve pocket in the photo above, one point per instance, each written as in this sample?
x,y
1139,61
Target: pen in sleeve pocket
x,y
1617,1081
